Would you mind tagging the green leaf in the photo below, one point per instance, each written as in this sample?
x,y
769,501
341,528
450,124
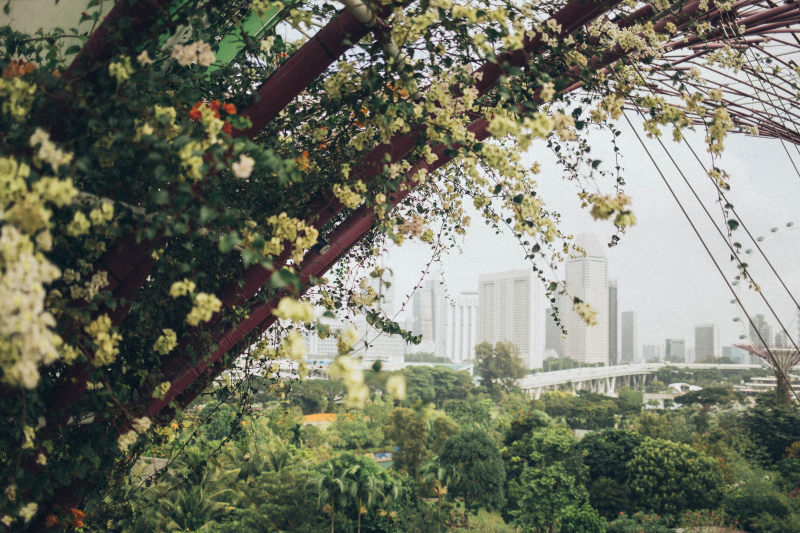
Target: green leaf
x,y
228,242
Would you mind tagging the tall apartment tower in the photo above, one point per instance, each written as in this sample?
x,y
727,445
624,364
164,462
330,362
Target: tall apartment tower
x,y
587,279
462,327
675,350
630,342
613,313
511,308
782,340
761,328
706,342
652,353
430,312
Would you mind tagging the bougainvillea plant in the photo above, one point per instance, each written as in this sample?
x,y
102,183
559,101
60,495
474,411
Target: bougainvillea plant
x,y
178,178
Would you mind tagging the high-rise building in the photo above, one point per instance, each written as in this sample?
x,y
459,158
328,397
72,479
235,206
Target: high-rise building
x,y
630,341
430,312
706,342
613,338
735,354
511,308
782,340
587,279
652,353
761,334
462,327
553,340
675,350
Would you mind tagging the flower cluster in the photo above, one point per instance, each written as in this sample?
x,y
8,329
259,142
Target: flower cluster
x,y
587,313
294,310
26,327
17,96
291,230
166,342
121,70
48,152
197,52
603,206
129,438
346,369
105,340
205,305
182,288
347,196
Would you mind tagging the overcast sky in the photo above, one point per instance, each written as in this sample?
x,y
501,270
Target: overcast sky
x,y
663,273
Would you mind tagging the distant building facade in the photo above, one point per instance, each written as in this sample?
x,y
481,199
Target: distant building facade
x,y
706,342
761,334
735,354
652,353
511,308
372,344
630,341
462,327
429,316
587,279
675,350
782,340
553,339
613,326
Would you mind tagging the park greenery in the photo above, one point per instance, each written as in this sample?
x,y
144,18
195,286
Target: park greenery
x,y
188,187
463,459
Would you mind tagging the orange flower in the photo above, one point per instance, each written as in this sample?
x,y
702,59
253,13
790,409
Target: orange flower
x,y
230,109
194,113
175,425
214,105
303,161
77,517
18,68
227,128
51,520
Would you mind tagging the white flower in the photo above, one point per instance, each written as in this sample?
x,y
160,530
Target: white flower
x,y
396,386
144,58
28,511
243,167
140,425
196,52
126,440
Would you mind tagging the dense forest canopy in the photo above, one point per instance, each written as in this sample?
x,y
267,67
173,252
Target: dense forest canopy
x,y
179,177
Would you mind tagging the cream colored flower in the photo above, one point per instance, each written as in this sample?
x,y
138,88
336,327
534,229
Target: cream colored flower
x,y
243,167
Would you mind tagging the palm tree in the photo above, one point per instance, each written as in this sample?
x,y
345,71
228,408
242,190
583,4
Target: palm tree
x,y
390,494
439,478
366,488
330,487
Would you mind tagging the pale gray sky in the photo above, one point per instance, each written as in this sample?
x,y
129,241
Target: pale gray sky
x,y
662,270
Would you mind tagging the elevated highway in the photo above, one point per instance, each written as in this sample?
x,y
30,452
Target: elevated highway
x,y
606,379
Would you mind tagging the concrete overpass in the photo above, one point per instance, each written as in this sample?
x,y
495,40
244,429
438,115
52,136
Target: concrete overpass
x,y
606,379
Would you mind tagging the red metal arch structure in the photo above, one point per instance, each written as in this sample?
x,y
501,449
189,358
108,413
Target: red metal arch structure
x,y
754,98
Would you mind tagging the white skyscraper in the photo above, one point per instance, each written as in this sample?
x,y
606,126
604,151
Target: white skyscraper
x,y
430,312
613,326
587,279
511,308
462,327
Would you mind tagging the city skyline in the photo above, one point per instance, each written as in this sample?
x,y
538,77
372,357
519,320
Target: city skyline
x,y
662,271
